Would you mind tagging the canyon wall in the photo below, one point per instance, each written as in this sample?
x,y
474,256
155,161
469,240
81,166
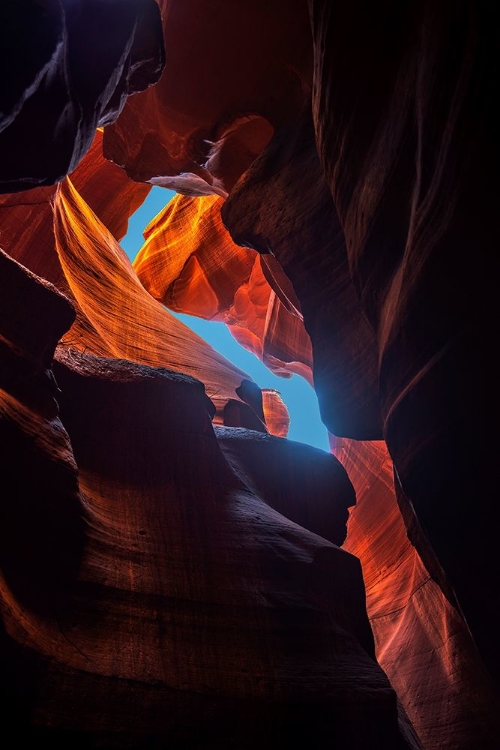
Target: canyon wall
x,y
173,570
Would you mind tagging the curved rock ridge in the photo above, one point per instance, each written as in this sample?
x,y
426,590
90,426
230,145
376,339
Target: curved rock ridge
x,y
417,628
41,528
221,96
190,263
303,483
415,189
56,96
118,318
184,595
27,219
282,207
155,567
208,587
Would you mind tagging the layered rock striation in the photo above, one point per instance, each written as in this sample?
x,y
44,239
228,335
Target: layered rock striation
x,y
159,595
173,571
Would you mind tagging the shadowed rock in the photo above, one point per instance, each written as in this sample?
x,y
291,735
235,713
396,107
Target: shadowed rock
x,y
65,87
163,581
282,206
408,148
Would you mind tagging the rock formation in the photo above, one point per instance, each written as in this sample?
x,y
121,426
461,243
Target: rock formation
x,y
174,572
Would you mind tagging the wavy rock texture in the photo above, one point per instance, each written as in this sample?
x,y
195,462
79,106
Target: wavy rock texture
x,y
65,87
221,95
41,529
194,607
75,244
40,495
282,206
414,186
305,236
141,330
27,218
190,263
418,630
168,581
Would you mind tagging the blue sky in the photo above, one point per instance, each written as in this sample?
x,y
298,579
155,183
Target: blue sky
x,y
305,422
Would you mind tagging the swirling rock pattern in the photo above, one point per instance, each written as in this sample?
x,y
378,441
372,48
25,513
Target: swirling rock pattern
x,y
169,564
413,186
160,597
65,87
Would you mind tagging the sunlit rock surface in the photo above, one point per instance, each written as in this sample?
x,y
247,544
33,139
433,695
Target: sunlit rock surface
x,y
160,595
165,552
421,639
27,232
304,234
282,206
235,72
415,189
190,263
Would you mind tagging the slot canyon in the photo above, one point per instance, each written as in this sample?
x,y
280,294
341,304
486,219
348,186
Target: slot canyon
x,y
174,571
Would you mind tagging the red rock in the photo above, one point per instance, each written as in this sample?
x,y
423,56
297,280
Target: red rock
x,y
186,604
415,188
276,414
215,83
191,264
375,229
117,317
27,220
189,261
418,630
282,207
